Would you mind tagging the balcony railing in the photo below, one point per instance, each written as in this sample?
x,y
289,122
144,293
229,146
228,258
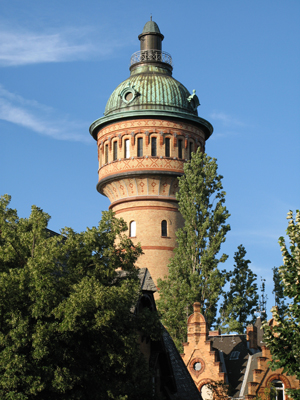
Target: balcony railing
x,y
151,55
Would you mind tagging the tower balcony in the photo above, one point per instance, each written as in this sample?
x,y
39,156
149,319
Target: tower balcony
x,y
151,55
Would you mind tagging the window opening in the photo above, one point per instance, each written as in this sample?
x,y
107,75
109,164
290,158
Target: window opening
x,y
277,390
206,392
167,147
140,147
132,229
191,148
164,229
179,148
153,147
100,158
234,355
127,148
106,153
115,150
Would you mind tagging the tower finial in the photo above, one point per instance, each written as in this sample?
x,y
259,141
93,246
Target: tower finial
x,y
150,17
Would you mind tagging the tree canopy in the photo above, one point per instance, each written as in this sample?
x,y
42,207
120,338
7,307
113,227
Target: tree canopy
x,y
67,329
282,336
241,301
193,272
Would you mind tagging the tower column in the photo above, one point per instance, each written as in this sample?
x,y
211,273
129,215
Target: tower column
x,y
149,130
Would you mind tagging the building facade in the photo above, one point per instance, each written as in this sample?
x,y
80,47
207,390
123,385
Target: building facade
x,y
149,129
232,366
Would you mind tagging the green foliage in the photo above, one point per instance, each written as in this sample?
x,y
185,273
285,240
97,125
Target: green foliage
x,y
283,336
241,301
279,292
66,329
193,272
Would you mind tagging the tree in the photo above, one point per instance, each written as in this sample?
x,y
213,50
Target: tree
x,y
66,326
263,300
283,335
278,291
241,301
193,272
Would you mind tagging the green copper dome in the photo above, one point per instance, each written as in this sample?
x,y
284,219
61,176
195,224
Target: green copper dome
x,y
151,26
151,88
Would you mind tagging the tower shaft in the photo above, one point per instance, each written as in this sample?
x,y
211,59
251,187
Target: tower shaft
x,y
149,130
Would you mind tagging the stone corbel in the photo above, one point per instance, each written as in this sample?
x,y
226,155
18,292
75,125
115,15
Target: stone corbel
x,y
132,138
161,141
175,139
147,138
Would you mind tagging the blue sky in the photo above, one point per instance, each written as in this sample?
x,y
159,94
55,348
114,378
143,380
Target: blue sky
x,y
60,61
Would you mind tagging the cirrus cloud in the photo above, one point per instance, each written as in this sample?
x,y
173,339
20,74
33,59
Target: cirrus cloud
x,y
40,119
25,47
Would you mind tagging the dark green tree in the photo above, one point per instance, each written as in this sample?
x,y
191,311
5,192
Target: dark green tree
x,y
193,272
282,336
241,301
67,330
263,300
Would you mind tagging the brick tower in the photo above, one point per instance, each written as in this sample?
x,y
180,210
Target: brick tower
x,y
149,129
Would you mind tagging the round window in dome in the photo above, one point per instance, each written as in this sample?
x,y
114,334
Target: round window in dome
x,y
128,94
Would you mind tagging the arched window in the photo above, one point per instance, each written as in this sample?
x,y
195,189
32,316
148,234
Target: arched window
x,y
179,148
100,158
164,228
153,147
127,148
206,392
167,147
140,147
132,229
191,149
277,390
115,150
106,153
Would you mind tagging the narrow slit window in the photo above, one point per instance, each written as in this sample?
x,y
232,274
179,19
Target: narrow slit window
x,y
115,150
140,147
164,228
132,229
179,148
153,147
100,158
106,153
127,148
167,147
191,149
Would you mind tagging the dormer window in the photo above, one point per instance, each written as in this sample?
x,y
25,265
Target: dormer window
x,y
234,355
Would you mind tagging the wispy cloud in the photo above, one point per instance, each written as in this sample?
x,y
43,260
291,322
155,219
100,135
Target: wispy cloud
x,y
19,47
40,119
226,119
259,234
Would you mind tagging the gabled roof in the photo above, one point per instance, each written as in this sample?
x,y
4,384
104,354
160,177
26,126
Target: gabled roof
x,y
147,283
186,389
235,354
